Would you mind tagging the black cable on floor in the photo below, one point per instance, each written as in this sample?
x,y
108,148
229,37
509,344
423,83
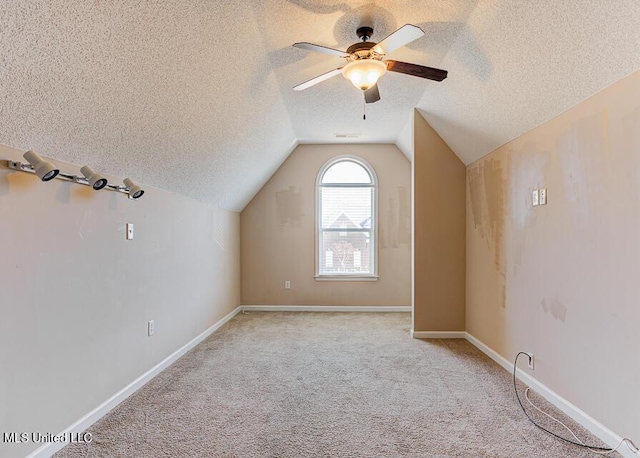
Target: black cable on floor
x,y
515,365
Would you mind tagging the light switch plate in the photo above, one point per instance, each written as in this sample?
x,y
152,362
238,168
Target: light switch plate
x,y
129,231
535,198
543,196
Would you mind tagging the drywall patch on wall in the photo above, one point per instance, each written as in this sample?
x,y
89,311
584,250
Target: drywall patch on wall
x,y
487,185
388,225
404,215
582,155
487,193
476,193
494,185
527,169
395,220
556,308
289,203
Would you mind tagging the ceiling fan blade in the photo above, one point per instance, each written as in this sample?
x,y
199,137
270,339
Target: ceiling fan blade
x,y
401,37
372,94
322,49
318,79
416,70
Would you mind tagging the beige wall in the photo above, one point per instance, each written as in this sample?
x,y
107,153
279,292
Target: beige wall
x,y
563,280
439,232
278,231
75,296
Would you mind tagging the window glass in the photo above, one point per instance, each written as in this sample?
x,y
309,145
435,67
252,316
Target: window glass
x,y
346,172
346,214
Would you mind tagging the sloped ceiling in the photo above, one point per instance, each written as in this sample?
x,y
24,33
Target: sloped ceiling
x,y
195,96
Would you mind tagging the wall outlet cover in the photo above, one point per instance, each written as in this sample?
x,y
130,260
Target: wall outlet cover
x,y
531,361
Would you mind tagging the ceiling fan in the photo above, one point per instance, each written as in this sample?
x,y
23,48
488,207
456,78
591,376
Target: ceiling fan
x,y
365,64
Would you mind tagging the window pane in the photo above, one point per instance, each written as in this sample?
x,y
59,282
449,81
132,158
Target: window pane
x,y
346,172
346,237
345,254
346,208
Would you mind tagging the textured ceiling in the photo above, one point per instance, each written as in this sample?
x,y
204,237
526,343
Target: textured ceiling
x,y
195,96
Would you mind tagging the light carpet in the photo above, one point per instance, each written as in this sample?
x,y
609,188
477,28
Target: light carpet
x,y
298,384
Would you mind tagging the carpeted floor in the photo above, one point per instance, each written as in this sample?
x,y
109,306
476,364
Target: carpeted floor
x,y
326,385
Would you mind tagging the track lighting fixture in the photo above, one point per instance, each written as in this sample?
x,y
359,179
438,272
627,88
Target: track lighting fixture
x,y
135,191
44,169
96,181
47,171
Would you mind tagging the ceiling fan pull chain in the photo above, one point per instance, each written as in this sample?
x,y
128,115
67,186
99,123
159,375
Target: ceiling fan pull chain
x,y
364,110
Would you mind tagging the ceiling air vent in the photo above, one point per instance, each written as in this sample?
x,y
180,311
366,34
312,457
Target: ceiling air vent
x,y
348,135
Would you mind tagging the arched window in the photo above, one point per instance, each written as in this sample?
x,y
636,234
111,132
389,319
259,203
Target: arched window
x,y
346,220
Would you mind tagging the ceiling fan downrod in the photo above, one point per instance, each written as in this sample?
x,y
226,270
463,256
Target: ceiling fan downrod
x,y
364,33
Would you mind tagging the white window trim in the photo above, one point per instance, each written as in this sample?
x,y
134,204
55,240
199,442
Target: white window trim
x,y
374,221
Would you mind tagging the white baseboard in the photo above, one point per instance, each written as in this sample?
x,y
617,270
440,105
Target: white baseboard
x,y
598,429
326,308
85,422
438,334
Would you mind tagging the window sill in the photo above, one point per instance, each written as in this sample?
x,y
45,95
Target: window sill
x,y
346,278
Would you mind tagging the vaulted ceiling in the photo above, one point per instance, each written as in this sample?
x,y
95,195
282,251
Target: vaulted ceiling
x,y
196,97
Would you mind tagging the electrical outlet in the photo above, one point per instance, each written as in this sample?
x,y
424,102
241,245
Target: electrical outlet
x,y
150,328
530,361
535,198
543,196
287,284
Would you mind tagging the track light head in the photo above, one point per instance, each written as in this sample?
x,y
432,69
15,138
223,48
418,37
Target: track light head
x,y
135,191
96,181
44,169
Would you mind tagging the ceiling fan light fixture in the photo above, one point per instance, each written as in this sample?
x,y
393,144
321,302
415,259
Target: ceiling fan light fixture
x,y
364,73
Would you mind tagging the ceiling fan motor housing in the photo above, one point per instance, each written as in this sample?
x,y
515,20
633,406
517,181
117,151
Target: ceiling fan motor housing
x,y
361,50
